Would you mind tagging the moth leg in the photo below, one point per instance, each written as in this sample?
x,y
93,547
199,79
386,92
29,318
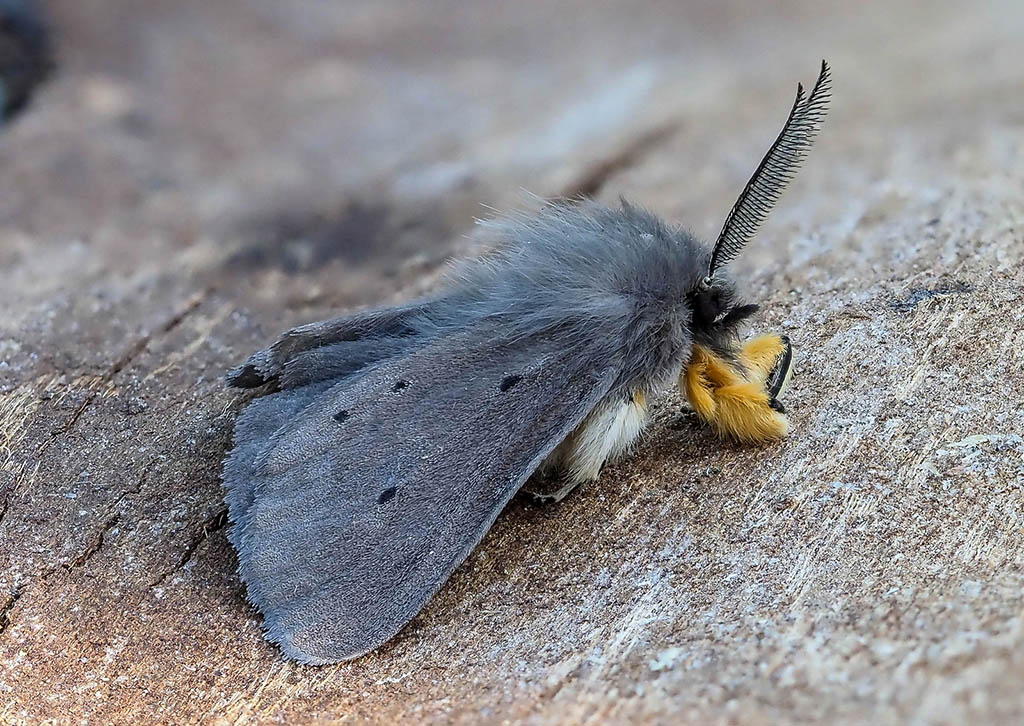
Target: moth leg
x,y
732,404
696,384
746,412
542,499
760,354
769,359
607,433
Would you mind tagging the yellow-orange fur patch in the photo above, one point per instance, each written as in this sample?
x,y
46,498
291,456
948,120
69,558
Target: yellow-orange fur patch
x,y
732,400
760,355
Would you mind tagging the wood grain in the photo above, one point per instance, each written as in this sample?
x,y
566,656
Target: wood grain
x,y
197,177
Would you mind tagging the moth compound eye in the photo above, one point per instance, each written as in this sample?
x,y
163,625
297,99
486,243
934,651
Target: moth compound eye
x,y
340,416
400,385
509,382
387,495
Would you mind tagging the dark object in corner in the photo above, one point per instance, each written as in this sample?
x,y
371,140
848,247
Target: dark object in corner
x,y
25,57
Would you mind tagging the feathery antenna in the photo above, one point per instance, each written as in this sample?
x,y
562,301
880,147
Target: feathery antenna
x,y
773,173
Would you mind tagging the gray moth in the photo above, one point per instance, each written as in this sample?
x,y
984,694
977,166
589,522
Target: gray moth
x,y
394,437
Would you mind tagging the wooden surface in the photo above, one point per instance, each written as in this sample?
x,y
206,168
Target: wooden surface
x,y
199,176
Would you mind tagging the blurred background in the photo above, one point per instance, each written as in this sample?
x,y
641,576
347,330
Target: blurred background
x,y
180,180
322,136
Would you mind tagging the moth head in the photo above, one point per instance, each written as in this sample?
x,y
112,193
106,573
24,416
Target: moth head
x,y
718,312
716,309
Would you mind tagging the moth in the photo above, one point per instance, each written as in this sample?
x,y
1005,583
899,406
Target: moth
x,y
396,436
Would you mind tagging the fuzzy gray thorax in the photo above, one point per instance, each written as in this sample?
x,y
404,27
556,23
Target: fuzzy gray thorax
x,y
615,284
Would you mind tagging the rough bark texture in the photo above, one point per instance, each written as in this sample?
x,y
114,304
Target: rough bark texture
x,y
198,176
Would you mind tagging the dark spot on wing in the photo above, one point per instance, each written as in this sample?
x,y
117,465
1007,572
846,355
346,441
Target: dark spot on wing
x,y
340,416
509,382
400,385
385,496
